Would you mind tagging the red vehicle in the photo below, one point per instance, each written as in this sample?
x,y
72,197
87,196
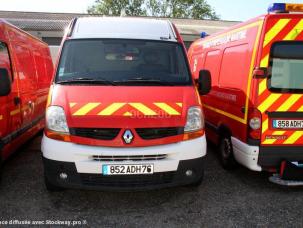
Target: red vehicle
x,y
124,111
254,111
25,73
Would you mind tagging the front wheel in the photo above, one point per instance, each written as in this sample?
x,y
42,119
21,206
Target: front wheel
x,y
226,153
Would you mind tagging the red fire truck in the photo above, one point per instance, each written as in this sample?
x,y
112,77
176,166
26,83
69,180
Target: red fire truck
x,y
254,111
124,111
25,73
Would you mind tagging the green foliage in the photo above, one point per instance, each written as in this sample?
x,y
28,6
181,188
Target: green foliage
x,y
197,9
115,7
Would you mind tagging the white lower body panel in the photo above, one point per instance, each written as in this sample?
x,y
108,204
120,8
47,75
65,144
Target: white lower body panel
x,y
82,155
246,155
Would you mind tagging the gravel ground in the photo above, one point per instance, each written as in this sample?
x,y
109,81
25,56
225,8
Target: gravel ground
x,y
239,198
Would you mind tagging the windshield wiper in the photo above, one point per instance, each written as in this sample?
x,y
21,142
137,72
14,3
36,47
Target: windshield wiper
x,y
83,80
144,81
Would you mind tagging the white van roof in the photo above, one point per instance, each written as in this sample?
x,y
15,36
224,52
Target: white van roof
x,y
123,28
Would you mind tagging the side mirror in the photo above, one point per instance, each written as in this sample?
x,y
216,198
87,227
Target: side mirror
x,y
5,82
204,82
260,72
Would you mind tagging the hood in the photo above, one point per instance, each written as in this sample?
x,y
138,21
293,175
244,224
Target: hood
x,y
124,106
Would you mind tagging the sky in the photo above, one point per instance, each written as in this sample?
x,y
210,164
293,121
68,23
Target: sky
x,y
233,10
241,10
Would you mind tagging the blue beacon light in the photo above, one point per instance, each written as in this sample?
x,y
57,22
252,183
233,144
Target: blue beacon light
x,y
277,8
203,35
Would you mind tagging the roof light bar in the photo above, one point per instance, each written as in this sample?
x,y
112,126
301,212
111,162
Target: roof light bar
x,y
294,7
285,8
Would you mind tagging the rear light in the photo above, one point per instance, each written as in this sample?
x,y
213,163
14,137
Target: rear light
x,y
254,124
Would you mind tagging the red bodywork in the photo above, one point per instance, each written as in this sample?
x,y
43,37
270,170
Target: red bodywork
x,y
237,96
29,64
107,95
233,89
74,98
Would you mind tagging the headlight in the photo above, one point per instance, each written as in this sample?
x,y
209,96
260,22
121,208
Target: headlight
x,y
195,119
56,119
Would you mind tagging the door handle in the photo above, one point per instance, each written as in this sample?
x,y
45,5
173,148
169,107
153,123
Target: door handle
x,y
17,100
243,109
30,104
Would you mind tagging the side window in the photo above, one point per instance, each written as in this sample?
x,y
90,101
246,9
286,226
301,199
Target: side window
x,y
212,63
4,57
234,66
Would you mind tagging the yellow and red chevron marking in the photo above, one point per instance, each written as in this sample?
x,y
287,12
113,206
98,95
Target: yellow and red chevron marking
x,y
126,109
279,29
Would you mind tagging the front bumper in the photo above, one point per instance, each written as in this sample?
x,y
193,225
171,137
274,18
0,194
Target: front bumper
x,y
76,180
86,173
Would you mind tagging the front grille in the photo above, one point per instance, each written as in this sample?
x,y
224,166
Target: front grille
x,y
157,133
96,133
128,181
102,158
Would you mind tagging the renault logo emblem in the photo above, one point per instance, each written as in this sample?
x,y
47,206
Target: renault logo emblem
x,y
128,137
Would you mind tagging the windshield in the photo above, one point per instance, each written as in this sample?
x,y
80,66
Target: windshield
x,y
127,62
286,73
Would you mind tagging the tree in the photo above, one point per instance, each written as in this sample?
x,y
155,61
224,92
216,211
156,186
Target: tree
x,y
116,7
197,9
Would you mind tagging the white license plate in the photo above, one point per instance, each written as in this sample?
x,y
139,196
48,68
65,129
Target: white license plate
x,y
288,124
128,169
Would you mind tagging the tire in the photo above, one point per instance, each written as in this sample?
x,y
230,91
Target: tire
x,y
51,187
226,153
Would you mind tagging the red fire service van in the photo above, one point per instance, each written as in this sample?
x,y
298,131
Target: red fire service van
x,y
124,111
26,69
255,108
